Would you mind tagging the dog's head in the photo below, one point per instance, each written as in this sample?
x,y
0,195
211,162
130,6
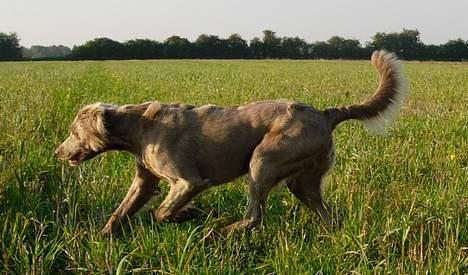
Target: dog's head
x,y
88,135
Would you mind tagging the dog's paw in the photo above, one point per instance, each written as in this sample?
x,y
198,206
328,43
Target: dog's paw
x,y
105,232
110,229
241,225
184,214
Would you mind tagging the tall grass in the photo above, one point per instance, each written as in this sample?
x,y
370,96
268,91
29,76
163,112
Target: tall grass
x,y
403,197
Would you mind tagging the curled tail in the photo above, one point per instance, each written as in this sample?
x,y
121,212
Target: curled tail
x,y
378,111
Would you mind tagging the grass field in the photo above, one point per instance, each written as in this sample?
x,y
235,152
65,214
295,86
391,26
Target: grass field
x,y
403,197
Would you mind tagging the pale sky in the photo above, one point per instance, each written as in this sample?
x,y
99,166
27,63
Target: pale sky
x,y
48,22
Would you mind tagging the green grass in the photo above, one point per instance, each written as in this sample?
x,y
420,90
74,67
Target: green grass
x,y
403,197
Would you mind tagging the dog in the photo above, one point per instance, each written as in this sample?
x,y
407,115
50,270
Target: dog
x,y
193,148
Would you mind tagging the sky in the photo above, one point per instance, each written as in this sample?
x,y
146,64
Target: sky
x,y
54,22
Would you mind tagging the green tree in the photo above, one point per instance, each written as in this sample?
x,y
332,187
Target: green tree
x,y
271,44
410,43
344,48
430,52
455,50
143,49
99,49
9,46
237,47
384,41
257,48
177,47
293,47
320,49
405,44
210,46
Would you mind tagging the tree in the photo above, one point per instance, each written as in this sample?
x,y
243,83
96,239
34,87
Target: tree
x,y
271,44
410,43
455,50
389,42
237,47
143,49
405,44
293,47
9,46
210,46
99,49
321,49
177,47
344,48
431,52
257,48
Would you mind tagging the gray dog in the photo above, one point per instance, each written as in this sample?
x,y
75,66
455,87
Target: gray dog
x,y
193,148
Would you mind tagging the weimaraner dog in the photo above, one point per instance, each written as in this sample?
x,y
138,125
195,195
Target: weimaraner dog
x,y
193,148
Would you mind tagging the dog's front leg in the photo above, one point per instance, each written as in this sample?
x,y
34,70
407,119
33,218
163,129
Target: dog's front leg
x,y
180,195
144,186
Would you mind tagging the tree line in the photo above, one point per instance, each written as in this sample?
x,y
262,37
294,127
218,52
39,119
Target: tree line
x,y
406,44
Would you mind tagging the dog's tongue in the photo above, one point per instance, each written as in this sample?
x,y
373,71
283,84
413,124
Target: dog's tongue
x,y
75,160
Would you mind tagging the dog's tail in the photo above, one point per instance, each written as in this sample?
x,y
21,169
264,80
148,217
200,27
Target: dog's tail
x,y
378,111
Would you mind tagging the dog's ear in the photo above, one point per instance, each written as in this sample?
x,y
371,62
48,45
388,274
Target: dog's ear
x,y
109,116
92,121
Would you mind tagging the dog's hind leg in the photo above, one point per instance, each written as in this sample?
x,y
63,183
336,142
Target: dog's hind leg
x,y
258,193
307,187
265,171
144,186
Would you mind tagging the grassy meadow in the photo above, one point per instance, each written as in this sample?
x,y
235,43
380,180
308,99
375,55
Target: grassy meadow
x,y
403,197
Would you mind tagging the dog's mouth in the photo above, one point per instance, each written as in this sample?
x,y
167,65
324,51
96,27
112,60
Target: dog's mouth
x,y
76,159
74,162
81,156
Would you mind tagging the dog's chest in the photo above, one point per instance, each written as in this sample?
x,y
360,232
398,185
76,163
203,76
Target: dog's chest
x,y
159,165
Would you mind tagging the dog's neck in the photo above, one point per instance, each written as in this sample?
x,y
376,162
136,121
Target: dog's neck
x,y
122,131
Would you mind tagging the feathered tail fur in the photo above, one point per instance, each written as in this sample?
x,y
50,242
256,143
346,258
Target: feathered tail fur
x,y
378,111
